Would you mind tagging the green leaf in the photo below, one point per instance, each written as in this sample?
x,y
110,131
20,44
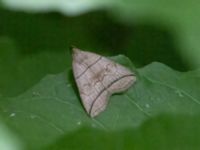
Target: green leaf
x,y
52,108
163,132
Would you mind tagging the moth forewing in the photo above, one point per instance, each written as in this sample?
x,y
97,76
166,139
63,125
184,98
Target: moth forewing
x,y
97,78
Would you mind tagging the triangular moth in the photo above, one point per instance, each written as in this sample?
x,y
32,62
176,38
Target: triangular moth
x,y
98,78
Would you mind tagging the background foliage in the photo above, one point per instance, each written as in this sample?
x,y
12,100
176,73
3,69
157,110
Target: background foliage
x,y
34,49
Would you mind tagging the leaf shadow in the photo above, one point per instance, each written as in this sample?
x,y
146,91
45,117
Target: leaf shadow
x,y
72,81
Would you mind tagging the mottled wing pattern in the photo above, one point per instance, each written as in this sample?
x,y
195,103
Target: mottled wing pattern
x,y
97,78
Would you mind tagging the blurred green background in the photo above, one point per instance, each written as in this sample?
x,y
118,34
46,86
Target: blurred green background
x,y
35,36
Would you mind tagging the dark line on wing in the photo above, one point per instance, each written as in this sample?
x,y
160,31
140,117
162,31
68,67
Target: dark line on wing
x,y
105,88
88,67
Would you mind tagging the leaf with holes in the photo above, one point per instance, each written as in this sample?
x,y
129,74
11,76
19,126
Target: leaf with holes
x,y
52,108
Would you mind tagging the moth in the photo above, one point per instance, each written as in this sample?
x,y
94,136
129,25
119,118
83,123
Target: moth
x,y
97,78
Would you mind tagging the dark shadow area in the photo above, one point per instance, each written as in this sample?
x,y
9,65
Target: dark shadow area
x,y
73,83
34,45
150,42
95,31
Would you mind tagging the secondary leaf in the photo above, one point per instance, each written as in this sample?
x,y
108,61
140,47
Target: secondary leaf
x,y
9,141
52,108
179,17
75,7
163,132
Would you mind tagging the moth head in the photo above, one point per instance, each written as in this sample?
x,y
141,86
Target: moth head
x,y
78,55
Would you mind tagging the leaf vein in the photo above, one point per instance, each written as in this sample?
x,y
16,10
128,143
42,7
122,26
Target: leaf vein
x,y
137,105
174,88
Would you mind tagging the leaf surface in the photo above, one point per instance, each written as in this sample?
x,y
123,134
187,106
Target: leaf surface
x,y
52,108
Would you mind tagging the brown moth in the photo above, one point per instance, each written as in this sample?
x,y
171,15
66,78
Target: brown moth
x,y
98,78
